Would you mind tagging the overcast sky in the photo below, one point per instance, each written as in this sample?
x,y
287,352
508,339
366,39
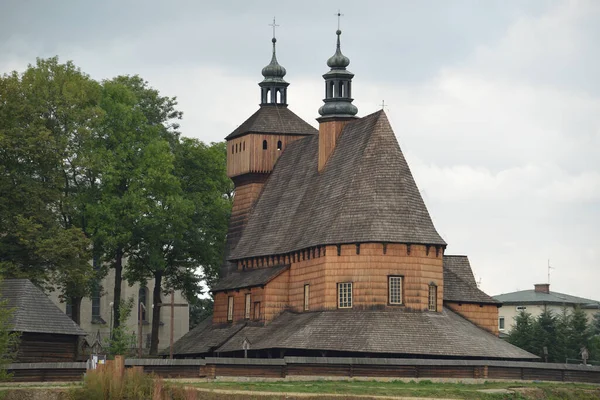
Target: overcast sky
x,y
496,104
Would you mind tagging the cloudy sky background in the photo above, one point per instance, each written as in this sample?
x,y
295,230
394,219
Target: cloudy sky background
x,y
496,104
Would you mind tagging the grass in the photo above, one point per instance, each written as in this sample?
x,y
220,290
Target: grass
x,y
137,386
424,388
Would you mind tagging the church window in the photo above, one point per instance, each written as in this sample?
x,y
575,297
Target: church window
x,y
395,289
501,323
279,145
142,296
432,303
230,308
264,144
247,310
236,147
357,248
96,304
232,148
345,295
342,89
306,296
244,145
257,310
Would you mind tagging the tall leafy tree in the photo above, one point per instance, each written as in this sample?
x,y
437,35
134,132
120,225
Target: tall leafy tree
x,y
137,136
47,127
8,339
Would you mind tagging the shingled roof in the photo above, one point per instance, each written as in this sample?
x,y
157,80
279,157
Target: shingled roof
x,y
398,332
33,311
244,279
276,119
459,282
365,193
533,297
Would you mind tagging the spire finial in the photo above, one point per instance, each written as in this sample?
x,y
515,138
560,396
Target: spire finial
x,y
339,15
274,25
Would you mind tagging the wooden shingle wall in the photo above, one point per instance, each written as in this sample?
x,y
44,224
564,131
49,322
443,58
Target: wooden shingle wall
x,y
249,155
484,316
257,294
329,132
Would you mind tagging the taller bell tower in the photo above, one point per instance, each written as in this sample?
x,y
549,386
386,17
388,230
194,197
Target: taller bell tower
x,y
254,147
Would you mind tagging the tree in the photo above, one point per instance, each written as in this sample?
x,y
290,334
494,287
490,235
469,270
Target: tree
x,y
595,324
563,321
544,336
138,122
579,334
122,342
200,309
522,333
47,127
9,340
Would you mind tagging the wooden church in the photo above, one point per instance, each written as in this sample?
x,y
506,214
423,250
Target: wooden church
x,y
331,250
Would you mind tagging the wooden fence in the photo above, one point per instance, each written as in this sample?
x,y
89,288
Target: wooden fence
x,y
323,367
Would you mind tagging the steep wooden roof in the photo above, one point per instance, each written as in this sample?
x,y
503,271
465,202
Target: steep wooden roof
x,y
33,311
276,119
399,332
459,282
365,193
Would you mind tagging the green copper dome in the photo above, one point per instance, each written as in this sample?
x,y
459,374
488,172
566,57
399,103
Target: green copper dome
x,y
273,71
338,60
338,87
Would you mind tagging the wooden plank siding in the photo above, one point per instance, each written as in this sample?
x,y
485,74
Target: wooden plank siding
x,y
322,268
484,316
329,132
250,156
45,347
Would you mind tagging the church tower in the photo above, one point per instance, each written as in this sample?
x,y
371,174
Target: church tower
x,y
338,108
254,147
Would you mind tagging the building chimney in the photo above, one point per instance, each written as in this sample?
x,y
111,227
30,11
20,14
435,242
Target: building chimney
x,y
542,287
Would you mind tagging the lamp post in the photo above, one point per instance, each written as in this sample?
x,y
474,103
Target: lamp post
x,y
111,304
142,306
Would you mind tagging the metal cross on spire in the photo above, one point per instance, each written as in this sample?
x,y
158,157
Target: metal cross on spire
x,y
339,15
274,25
383,105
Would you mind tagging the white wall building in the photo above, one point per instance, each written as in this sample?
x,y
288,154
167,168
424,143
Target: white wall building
x,y
96,313
536,301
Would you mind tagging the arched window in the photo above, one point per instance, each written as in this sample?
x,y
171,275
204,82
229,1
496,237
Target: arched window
x,y
264,144
331,92
232,148
268,95
341,91
244,146
236,147
279,145
142,299
278,96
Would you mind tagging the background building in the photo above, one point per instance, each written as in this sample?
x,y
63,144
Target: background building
x,y
96,313
535,301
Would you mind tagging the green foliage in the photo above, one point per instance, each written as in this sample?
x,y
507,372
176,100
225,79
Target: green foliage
x,y
47,125
595,324
522,333
8,340
564,335
200,309
122,342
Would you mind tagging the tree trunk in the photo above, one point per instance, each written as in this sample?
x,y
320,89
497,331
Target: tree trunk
x,y
156,312
76,309
117,289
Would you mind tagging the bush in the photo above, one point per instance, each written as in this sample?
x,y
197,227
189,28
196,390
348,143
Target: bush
x,y
108,382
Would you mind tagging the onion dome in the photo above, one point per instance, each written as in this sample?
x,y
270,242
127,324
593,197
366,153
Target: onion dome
x,y
338,87
273,70
338,60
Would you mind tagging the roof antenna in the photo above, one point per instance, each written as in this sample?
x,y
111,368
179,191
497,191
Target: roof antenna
x,y
549,268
